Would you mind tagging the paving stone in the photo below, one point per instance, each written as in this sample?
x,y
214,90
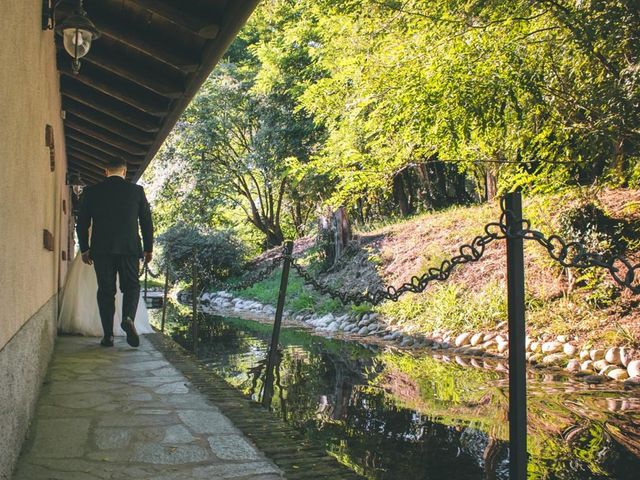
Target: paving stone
x,y
177,434
172,388
206,422
123,420
226,470
81,400
149,422
190,401
148,365
63,437
232,447
109,438
171,455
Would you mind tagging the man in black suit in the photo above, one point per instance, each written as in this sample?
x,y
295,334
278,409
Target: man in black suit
x,y
113,209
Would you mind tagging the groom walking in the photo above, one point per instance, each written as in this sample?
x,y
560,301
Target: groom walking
x,y
113,209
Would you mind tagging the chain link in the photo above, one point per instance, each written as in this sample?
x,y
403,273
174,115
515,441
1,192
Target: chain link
x,y
252,280
567,254
571,254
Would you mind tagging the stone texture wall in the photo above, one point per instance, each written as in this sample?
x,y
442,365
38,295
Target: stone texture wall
x,y
23,365
31,195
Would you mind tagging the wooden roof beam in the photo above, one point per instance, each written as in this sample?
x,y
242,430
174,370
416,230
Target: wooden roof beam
x,y
102,146
184,61
83,95
116,89
86,162
160,83
108,123
204,26
105,136
91,173
98,155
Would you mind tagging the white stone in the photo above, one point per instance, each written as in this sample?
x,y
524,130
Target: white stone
x,y
462,339
477,339
584,355
551,347
586,365
600,365
613,356
596,354
569,349
633,369
573,365
553,358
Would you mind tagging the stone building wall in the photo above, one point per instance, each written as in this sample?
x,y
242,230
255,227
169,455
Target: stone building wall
x,y
33,198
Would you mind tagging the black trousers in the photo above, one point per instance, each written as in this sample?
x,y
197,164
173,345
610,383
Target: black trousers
x,y
126,268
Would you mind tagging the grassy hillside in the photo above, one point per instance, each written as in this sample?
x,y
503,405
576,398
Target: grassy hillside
x,y
580,303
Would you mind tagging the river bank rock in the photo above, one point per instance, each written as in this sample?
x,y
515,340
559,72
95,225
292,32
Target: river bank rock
x,y
462,339
573,365
551,347
633,368
618,374
614,356
544,349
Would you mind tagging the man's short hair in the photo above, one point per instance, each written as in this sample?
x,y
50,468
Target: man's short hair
x,y
116,164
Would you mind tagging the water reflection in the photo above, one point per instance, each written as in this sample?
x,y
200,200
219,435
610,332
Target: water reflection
x,y
392,415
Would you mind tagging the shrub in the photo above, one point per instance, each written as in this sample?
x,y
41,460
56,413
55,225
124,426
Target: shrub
x,y
597,231
219,253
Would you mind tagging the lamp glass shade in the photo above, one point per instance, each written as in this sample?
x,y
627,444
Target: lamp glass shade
x,y
77,41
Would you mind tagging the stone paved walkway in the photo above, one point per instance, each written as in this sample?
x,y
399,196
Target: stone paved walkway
x,y
124,413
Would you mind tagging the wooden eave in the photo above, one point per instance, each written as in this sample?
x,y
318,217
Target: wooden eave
x,y
140,75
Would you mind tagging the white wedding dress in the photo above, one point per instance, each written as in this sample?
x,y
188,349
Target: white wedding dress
x,y
79,307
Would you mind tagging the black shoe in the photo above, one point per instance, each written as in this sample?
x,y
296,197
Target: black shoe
x,y
130,329
107,341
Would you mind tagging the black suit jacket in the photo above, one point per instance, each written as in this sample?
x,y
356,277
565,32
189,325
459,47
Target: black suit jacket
x,y
113,208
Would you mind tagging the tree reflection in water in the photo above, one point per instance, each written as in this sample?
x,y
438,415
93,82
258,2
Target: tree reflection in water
x,y
394,415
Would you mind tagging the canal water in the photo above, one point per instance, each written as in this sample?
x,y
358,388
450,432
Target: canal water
x,y
395,415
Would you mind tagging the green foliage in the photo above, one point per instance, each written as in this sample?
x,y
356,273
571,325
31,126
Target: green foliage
x,y
591,226
219,254
299,298
450,306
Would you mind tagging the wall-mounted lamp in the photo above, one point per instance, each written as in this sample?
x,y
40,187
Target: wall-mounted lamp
x,y
77,30
75,180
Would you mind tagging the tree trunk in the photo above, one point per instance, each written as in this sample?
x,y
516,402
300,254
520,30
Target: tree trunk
x,y
490,183
400,195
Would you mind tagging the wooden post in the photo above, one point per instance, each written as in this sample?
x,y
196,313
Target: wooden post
x,y
194,301
164,297
517,348
275,335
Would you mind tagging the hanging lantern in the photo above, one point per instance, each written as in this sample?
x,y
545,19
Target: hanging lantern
x,y
77,33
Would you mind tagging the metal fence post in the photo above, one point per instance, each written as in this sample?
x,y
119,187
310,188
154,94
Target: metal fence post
x,y
517,349
275,335
194,301
164,296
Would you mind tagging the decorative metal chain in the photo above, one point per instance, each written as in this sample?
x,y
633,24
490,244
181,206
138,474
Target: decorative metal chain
x,y
572,254
250,281
468,253
146,268
567,254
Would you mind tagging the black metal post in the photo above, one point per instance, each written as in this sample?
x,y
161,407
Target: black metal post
x,y
194,301
517,349
164,296
275,335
